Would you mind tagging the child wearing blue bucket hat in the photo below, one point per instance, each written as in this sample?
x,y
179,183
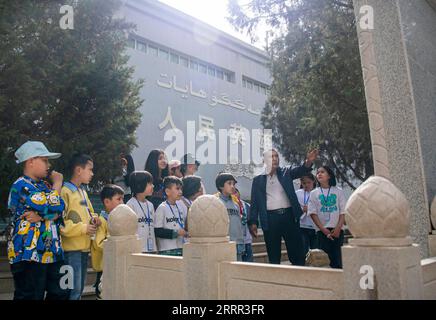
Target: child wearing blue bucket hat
x,y
34,247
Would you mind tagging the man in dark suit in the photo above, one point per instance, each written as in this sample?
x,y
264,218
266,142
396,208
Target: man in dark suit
x,y
275,204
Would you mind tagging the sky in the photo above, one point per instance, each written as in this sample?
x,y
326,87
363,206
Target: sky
x,y
212,12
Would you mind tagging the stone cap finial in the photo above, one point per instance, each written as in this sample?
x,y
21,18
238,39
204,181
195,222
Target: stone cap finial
x,y
208,217
378,209
122,221
433,213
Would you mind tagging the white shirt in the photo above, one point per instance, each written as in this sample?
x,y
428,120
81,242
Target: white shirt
x,y
303,198
170,217
276,197
327,205
146,220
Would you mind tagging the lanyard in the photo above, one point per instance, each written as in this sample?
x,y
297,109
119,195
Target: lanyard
x,y
146,216
82,193
308,197
179,221
324,197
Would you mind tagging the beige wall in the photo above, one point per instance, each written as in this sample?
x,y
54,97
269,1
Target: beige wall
x,y
429,278
152,277
265,281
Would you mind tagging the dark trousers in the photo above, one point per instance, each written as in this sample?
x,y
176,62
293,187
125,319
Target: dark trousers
x,y
332,248
286,226
97,284
310,239
33,279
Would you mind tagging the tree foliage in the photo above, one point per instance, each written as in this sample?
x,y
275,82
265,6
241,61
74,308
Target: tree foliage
x,y
71,89
317,94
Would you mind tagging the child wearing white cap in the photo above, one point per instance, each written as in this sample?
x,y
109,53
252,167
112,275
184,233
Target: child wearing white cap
x,y
34,247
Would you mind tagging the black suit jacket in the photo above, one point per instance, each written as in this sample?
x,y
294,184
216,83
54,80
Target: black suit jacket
x,y
285,175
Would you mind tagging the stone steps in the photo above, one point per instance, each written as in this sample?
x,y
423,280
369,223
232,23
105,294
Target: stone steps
x,y
262,257
259,247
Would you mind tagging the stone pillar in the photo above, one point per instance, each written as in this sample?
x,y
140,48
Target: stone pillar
x,y
377,215
208,245
123,241
399,73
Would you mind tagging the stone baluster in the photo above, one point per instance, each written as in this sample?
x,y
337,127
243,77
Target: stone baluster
x,y
123,241
208,245
380,262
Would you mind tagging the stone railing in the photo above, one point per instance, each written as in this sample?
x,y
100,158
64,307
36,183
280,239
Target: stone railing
x,y
381,262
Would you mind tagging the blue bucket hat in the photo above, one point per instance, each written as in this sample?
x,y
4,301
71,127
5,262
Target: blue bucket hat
x,y
32,149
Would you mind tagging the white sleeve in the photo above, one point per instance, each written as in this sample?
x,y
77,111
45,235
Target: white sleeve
x,y
130,204
300,196
341,201
312,207
160,217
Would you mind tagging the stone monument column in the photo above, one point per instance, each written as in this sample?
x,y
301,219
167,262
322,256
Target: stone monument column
x,y
123,241
397,49
380,262
208,245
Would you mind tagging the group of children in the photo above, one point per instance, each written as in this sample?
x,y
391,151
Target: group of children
x,y
55,224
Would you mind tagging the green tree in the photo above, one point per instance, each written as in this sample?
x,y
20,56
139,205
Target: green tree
x,y
71,89
317,94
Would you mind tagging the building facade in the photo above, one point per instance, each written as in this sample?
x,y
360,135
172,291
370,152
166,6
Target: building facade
x,y
198,81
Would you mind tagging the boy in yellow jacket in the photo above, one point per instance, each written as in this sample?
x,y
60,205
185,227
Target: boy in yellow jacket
x,y
80,221
111,196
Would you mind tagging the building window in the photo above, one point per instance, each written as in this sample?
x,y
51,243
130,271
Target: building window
x,y
174,58
211,71
193,65
203,68
163,54
255,85
220,74
153,50
184,62
131,43
263,90
141,46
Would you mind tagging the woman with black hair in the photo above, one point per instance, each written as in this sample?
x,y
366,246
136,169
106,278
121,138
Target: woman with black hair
x,y
327,210
157,165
